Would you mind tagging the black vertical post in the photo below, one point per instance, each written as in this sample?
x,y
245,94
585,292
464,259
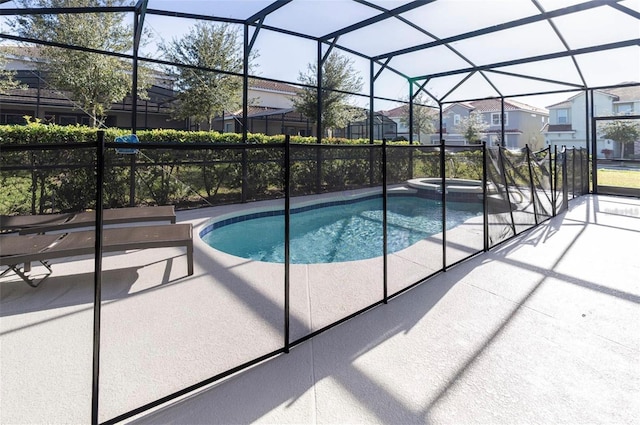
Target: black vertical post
x,y
411,112
503,137
585,183
573,172
485,199
441,121
532,185
554,180
594,144
134,75
134,107
443,180
410,128
245,111
319,92
245,83
97,278
565,186
287,237
385,270
371,113
319,118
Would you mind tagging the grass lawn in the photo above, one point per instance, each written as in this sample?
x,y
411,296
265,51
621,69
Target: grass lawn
x,y
619,178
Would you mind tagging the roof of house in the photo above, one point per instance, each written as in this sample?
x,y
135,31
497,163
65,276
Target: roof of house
x,y
258,111
395,112
625,94
273,86
563,104
494,105
401,111
620,94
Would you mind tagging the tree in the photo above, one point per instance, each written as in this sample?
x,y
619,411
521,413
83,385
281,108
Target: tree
x,y
7,82
338,76
623,131
423,116
472,127
92,80
204,94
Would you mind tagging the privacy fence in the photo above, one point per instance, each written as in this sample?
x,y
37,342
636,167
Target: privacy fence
x,y
475,198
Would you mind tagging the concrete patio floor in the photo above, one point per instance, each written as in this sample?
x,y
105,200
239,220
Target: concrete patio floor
x,y
543,329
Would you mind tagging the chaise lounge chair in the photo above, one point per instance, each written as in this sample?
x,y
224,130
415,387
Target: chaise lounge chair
x,y
26,224
24,249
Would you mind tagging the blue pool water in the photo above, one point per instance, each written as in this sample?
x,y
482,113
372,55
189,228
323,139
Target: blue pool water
x,y
343,232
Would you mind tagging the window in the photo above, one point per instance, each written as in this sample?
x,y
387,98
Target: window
x,y
495,119
228,127
563,116
624,108
12,119
68,120
456,119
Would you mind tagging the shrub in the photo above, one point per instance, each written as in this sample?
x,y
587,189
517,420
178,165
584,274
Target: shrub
x,y
59,179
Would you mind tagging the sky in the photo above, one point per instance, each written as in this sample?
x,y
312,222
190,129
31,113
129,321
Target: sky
x,y
283,57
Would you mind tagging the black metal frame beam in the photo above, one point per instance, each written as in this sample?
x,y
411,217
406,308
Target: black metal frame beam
x,y
108,53
507,25
267,10
626,10
531,77
530,59
562,40
454,88
375,19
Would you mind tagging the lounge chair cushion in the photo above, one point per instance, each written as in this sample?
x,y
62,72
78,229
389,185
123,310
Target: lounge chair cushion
x,y
19,249
26,224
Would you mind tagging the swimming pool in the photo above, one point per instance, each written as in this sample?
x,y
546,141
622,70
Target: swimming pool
x,y
336,231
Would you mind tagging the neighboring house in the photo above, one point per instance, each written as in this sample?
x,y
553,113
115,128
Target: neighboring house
x,y
270,108
270,112
52,106
399,116
40,101
522,123
568,119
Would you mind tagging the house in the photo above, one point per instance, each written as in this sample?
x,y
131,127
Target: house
x,y
270,112
400,115
568,119
522,123
38,100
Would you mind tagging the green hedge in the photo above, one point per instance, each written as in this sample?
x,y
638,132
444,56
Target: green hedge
x,y
64,179
36,132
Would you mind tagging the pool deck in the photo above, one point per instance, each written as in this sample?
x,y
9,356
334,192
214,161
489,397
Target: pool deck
x,y
542,329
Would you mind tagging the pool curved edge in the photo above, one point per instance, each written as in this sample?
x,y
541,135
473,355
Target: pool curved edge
x,y
251,210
